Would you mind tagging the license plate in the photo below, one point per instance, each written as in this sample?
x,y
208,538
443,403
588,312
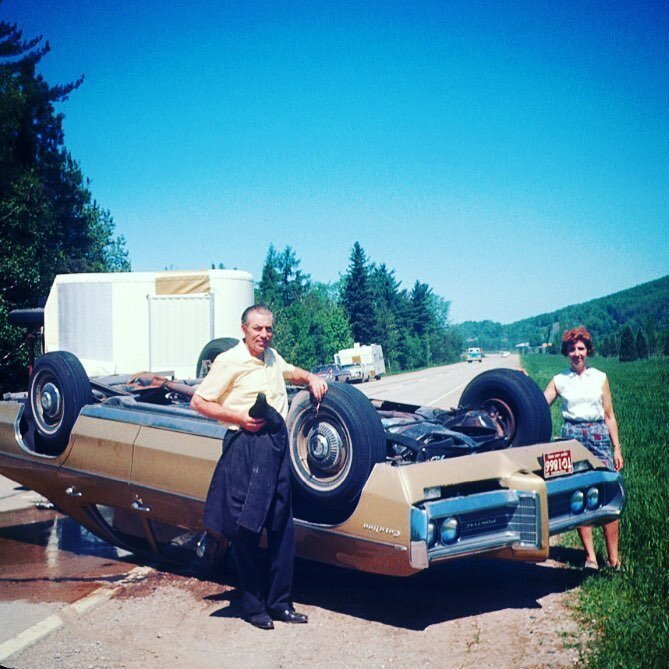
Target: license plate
x,y
557,463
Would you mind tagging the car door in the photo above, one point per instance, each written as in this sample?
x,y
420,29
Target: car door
x,y
171,471
95,480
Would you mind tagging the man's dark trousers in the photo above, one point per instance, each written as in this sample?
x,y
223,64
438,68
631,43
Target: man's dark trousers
x,y
249,492
260,594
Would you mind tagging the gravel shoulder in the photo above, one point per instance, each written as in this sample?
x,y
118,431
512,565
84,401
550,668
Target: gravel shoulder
x,y
471,613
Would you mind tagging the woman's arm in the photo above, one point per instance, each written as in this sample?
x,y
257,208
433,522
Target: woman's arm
x,y
551,392
612,425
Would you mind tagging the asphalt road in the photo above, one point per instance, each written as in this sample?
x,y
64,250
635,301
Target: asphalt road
x,y
436,387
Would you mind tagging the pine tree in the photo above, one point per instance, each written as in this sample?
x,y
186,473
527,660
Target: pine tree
x,y
282,282
663,341
628,350
50,222
268,289
358,298
385,288
641,346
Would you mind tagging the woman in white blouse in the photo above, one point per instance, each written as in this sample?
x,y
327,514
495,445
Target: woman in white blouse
x,y
588,416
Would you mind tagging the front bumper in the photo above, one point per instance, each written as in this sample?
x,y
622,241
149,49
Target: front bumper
x,y
561,517
487,521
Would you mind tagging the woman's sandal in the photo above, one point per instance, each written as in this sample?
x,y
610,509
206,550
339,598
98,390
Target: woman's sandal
x,y
591,565
618,566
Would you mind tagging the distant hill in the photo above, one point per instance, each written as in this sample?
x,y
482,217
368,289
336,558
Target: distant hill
x,y
644,307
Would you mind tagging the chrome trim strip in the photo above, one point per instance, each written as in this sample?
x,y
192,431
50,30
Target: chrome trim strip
x,y
470,503
419,522
489,542
599,516
305,524
174,419
22,444
576,481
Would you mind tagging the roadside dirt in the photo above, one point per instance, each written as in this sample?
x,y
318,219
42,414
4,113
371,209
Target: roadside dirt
x,y
471,613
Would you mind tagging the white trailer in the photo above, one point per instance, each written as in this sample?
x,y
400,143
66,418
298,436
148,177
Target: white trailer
x,y
370,356
125,322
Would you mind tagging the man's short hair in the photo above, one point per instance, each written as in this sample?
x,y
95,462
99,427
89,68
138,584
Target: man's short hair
x,y
261,308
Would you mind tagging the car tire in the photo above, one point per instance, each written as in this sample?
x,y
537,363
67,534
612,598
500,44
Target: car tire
x,y
210,351
515,400
59,388
332,452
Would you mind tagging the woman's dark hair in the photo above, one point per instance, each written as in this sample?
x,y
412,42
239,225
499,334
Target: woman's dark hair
x,y
570,337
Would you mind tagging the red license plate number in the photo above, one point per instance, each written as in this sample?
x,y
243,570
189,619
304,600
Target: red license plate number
x,y
557,463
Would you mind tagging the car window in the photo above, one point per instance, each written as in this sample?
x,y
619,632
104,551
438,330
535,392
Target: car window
x,y
125,524
174,542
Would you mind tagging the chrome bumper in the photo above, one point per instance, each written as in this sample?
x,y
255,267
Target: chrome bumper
x,y
487,521
612,500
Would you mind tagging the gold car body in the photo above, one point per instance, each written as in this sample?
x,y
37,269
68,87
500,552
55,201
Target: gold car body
x,y
154,468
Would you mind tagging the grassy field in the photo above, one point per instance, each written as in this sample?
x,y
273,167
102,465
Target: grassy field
x,y
628,613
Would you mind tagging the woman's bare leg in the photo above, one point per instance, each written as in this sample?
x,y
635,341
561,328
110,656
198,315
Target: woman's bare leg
x,y
585,533
611,535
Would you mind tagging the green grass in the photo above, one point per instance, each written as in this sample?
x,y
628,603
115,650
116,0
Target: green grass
x,y
628,613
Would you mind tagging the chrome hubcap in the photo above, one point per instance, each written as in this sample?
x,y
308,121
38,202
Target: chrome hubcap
x,y
325,447
50,400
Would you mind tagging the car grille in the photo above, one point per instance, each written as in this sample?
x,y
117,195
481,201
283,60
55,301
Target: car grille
x,y
487,521
520,520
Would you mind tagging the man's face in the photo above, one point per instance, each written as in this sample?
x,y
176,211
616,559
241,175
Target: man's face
x,y
258,331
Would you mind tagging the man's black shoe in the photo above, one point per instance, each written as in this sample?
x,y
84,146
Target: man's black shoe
x,y
289,616
261,621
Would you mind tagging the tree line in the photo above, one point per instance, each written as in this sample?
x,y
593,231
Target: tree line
x,y
367,305
630,324
50,222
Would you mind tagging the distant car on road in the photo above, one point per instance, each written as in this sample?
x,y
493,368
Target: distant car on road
x,y
332,373
358,373
505,354
474,354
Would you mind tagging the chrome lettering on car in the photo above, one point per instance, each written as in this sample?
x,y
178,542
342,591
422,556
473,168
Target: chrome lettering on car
x,y
474,524
381,530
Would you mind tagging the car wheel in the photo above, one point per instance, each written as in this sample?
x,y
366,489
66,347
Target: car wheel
x,y
332,451
209,353
515,401
59,388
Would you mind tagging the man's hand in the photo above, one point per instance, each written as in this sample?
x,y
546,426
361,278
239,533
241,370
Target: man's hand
x,y
214,410
318,386
251,424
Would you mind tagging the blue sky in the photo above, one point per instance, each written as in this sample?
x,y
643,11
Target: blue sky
x,y
513,155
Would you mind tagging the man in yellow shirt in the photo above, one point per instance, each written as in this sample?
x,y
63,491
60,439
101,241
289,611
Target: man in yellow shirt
x,y
250,488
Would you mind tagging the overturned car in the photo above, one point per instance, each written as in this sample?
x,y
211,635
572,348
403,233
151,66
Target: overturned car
x,y
378,486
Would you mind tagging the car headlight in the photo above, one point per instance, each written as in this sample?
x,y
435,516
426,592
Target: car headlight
x,y
431,532
592,498
577,501
450,530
